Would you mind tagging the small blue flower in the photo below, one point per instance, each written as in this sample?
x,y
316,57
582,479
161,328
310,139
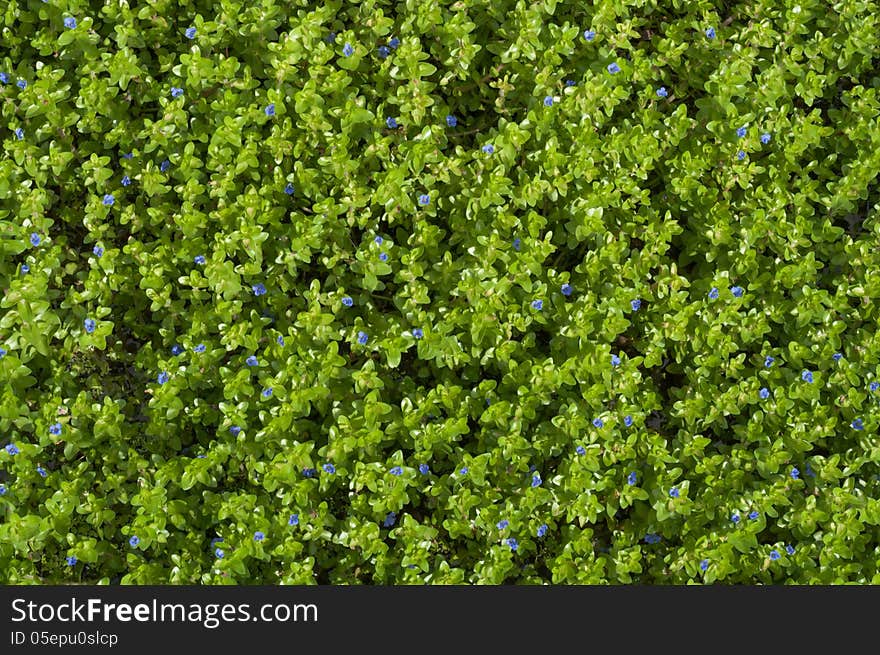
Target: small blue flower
x,y
234,430
628,420
538,304
71,561
163,377
710,33
3,489
542,530
569,82
348,50
267,392
384,51
580,450
330,38
451,120
652,538
190,32
379,240
42,471
615,360
280,340
741,131
89,325
463,470
735,518
613,68
35,239
764,393
517,243
536,480
512,542
25,268
383,257
774,555
177,349
837,357
417,333
128,155
424,199
165,165
753,515
200,260
737,291
21,84
631,478
293,520
126,180
176,92
397,470
12,449
704,565
218,553
488,148
598,423
329,468
768,361
765,138
109,200
310,473
252,361
134,541
347,301
502,524
391,123
259,536
393,42
4,78
97,251
70,22
200,348
55,429
19,134
713,293
362,338
635,304
874,386
662,92
2,352
806,376
270,109
424,469
390,518
259,289
789,549
795,474
589,35
289,189
857,424
741,155
674,492
548,101
566,290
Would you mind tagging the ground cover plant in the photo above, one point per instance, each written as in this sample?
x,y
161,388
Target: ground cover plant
x,y
439,292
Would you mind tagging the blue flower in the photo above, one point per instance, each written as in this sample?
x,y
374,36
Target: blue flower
x,y
741,131
71,561
768,361
741,155
393,42
517,243
837,357
789,549
390,518
391,123
70,22
35,239
795,474
259,289
126,180
259,536
97,251
674,492
330,38
163,377
806,376
109,199
19,133
566,290
417,333
628,420
580,450
329,468
293,520
165,165
25,268
710,33
347,301
451,120
3,489
310,473
548,101
270,109
424,469
55,429
362,338
200,260
538,304
857,424
252,361
21,84
874,386
42,471
735,518
134,541
200,348
652,538
764,393
2,352
234,429
713,293
397,470
267,392
289,189
613,68
536,480
512,542
765,138
348,50
128,155
631,478
383,257
737,291
589,35
488,148
704,565
598,423
615,360
463,470
219,554
383,51
379,240
177,349
190,32
89,325
569,82
662,92
753,515
280,340
542,530
424,199
4,78
774,555
176,92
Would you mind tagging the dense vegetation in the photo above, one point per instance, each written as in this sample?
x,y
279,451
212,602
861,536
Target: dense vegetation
x,y
450,292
